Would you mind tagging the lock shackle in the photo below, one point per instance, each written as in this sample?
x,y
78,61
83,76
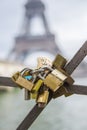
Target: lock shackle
x,y
24,70
47,67
37,71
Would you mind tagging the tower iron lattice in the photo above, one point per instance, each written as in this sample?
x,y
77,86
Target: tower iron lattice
x,y
25,42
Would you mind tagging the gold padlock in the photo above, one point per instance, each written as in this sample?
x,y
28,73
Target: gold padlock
x,y
34,95
43,99
59,74
17,78
34,91
59,62
62,90
69,79
37,86
53,82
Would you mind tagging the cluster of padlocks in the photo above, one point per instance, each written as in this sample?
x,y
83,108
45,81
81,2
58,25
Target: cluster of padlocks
x,y
47,77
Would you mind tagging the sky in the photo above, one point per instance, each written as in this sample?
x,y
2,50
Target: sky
x,y
67,20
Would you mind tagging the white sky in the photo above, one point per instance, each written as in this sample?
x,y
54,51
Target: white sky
x,y
67,20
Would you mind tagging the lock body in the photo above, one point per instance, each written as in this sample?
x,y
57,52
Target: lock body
x,y
43,98
34,91
55,80
59,62
22,81
37,86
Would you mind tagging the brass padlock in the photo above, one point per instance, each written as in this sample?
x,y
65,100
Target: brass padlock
x,y
37,86
53,82
59,74
27,76
59,62
34,95
62,90
43,99
69,79
17,78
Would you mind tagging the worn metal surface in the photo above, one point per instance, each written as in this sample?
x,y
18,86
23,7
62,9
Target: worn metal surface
x,y
77,89
77,59
7,81
31,117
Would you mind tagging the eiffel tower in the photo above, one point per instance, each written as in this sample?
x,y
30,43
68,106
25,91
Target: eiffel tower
x,y
26,43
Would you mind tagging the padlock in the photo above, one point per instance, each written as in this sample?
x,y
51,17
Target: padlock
x,y
59,62
26,91
69,79
27,77
53,82
43,98
26,94
59,74
62,90
34,91
37,86
33,95
17,78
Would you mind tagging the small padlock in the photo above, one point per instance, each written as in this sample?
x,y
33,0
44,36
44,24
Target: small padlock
x,y
26,91
53,82
59,62
43,98
37,86
69,79
34,95
59,74
17,78
27,94
34,91
62,90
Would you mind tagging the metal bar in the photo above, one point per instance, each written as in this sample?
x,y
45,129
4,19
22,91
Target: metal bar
x,y
31,117
77,89
7,81
77,59
70,67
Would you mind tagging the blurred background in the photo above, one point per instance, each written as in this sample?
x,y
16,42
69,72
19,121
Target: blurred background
x,y
33,28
